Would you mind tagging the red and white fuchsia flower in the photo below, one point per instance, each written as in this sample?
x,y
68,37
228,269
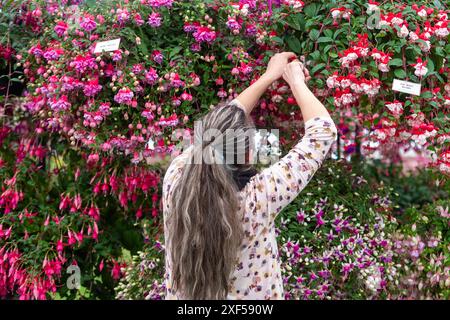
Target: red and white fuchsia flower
x,y
420,67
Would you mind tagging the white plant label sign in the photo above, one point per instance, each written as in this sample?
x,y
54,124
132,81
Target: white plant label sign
x,y
406,87
109,45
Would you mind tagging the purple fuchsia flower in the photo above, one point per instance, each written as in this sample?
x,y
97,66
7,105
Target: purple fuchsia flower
x,y
105,108
123,15
53,53
233,25
151,76
125,96
88,22
59,104
157,3
60,28
190,27
204,34
36,50
195,47
157,56
117,55
154,20
83,63
91,88
251,30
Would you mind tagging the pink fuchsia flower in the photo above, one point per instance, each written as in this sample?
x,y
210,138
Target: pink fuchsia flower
x,y
53,53
154,20
157,3
420,67
157,56
116,272
60,104
190,27
138,20
87,22
36,50
195,47
117,55
83,63
91,88
123,15
222,93
125,96
204,34
104,108
61,28
175,80
186,96
151,76
233,25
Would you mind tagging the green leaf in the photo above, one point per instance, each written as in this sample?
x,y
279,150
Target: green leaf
x,y
310,10
400,73
314,34
396,62
294,44
317,68
427,95
324,39
430,66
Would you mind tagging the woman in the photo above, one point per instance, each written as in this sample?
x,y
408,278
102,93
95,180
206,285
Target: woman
x,y
219,216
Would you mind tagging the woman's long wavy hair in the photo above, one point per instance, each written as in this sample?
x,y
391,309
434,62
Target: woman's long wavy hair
x,y
205,228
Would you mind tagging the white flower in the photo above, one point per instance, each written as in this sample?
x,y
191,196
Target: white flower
x,y
421,70
383,67
441,32
422,13
403,33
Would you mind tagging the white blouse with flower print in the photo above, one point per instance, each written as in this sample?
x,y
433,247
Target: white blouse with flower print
x,y
257,274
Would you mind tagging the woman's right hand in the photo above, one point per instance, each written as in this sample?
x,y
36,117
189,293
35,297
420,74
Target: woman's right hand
x,y
295,73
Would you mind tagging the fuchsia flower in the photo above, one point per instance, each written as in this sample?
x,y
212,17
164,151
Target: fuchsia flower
x,y
157,56
125,96
158,3
61,28
92,88
87,22
395,107
154,19
204,34
123,15
53,53
233,25
60,104
151,76
422,11
138,19
420,67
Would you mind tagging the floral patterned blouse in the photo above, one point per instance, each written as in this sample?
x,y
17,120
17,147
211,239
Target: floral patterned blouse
x,y
257,274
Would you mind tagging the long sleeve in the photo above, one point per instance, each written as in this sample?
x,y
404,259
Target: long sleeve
x,y
278,185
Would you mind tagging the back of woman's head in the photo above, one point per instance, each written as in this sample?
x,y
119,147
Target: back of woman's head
x,y
204,223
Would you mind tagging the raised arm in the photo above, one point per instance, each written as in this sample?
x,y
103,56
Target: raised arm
x,y
250,96
276,186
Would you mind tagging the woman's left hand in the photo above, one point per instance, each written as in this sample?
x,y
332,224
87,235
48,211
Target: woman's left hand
x,y
277,64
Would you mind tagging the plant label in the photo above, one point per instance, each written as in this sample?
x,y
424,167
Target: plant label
x,y
109,45
406,87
